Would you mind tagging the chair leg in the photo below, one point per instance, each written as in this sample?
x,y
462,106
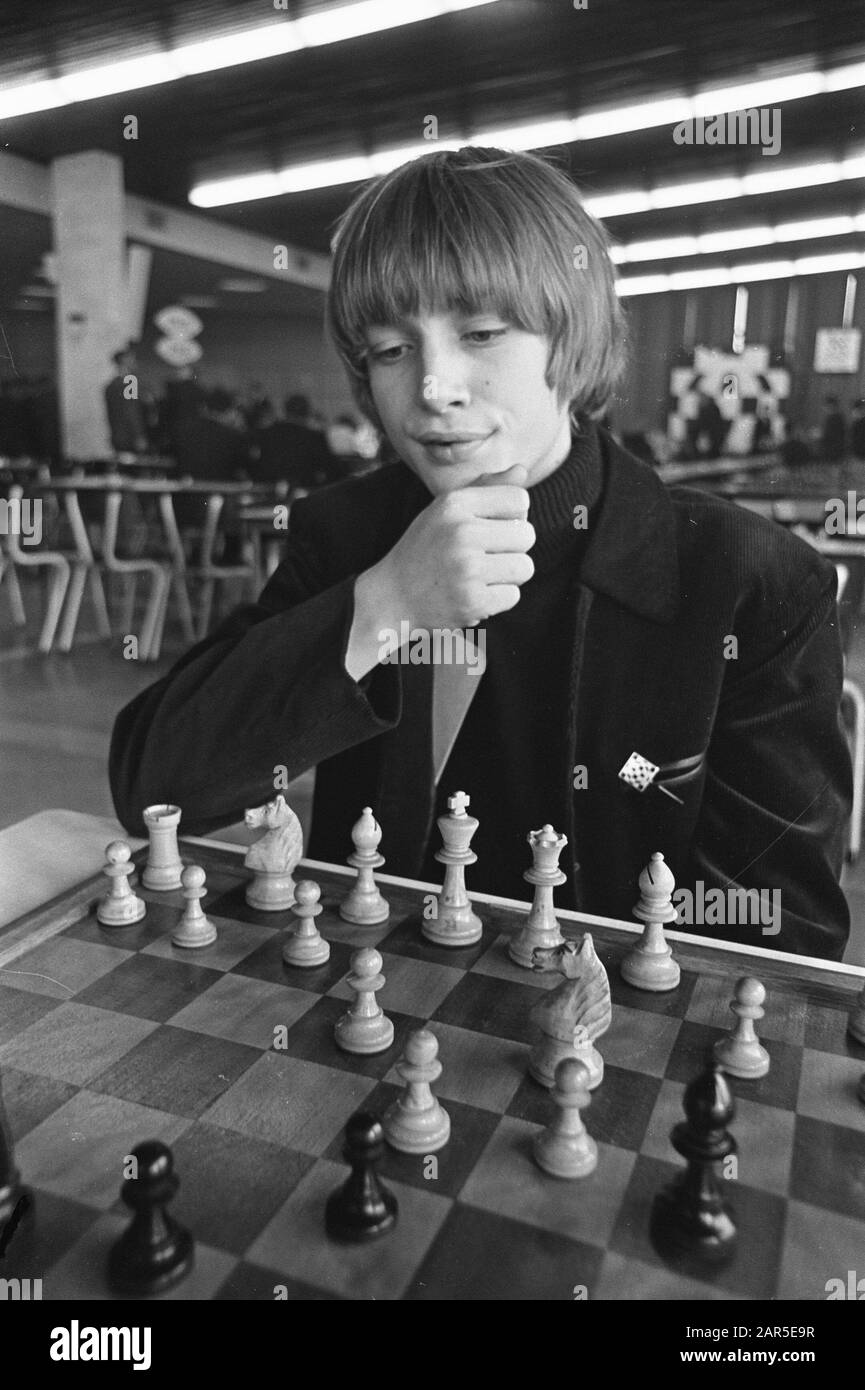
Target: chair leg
x,y
150,637
205,604
184,607
97,598
74,595
16,602
852,690
127,617
56,594
159,627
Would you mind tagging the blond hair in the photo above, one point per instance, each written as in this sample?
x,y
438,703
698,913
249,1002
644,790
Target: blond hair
x,y
481,228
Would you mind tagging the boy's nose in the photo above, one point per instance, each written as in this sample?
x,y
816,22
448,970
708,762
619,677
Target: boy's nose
x,y
443,382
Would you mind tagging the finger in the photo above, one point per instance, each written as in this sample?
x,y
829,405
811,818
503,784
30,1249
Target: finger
x,y
497,537
501,502
506,569
501,598
517,476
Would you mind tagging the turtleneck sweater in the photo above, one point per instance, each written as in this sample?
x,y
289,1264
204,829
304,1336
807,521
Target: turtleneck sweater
x,y
510,753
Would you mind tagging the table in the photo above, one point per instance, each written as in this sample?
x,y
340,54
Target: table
x,y
110,1037
708,469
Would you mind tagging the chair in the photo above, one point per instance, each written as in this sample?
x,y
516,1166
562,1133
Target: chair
x,y
208,571
85,570
849,560
160,576
17,556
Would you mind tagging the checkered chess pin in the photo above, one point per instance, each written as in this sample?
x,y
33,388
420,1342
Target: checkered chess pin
x,y
639,773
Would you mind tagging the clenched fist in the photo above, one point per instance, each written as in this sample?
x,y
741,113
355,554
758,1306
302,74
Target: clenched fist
x,y
461,561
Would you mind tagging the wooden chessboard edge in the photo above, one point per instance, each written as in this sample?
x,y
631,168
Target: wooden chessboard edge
x,y
41,923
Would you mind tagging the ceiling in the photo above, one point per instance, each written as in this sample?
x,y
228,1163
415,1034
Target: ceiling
x,y
499,64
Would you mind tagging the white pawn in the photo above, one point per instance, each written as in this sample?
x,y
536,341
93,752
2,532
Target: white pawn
x,y
120,907
586,1052
650,964
364,1028
856,1025
306,945
193,929
550,1051
365,905
741,1053
541,931
565,1149
416,1123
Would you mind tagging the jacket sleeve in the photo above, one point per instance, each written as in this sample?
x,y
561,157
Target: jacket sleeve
x,y
779,786
267,690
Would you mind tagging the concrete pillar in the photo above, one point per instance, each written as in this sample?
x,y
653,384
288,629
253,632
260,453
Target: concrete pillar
x,y
91,318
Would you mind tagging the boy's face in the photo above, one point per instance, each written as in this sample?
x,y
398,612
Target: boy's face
x,y
462,397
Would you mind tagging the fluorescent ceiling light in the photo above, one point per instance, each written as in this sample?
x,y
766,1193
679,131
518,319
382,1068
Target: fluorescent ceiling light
x,y
705,276
595,125
735,239
625,202
370,17
225,51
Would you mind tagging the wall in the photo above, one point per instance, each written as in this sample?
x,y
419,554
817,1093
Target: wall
x,y
27,343
657,328
286,356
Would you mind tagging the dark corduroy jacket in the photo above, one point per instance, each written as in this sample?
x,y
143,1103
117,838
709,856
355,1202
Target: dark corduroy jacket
x,y
746,731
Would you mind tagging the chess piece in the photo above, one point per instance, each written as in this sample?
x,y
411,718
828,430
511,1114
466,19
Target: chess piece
x,y
541,930
364,1028
193,929
363,1208
274,857
856,1025
565,1149
455,924
690,1217
155,1252
574,1014
365,904
164,867
120,907
306,946
741,1053
16,1200
650,964
416,1123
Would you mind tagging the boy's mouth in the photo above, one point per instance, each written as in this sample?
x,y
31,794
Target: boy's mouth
x,y
453,448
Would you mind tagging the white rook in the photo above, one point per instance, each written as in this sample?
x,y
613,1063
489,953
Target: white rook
x,y
164,865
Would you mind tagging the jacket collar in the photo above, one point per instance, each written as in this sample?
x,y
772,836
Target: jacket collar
x,y
632,553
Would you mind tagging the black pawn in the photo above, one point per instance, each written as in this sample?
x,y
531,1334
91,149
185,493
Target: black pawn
x,y
363,1208
690,1217
154,1253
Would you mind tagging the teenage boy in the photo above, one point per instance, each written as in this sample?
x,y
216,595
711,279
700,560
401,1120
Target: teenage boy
x,y
473,304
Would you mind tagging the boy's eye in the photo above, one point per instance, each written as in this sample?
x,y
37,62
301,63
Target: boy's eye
x,y
486,335
390,352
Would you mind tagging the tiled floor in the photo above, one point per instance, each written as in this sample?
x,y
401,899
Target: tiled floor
x,y
56,714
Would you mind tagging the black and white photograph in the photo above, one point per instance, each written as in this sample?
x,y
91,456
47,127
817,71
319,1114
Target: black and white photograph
x,y
432,670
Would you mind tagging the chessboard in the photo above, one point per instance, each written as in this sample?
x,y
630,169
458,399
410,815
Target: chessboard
x,y
110,1037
